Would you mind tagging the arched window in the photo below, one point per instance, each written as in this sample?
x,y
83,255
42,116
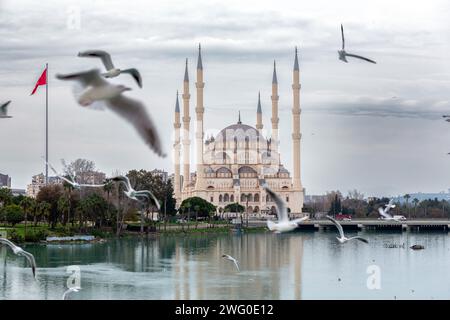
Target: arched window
x,y
232,198
243,198
256,197
220,198
226,198
287,198
256,209
250,197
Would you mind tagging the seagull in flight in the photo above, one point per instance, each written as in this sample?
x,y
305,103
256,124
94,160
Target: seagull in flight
x,y
343,54
230,258
134,194
97,89
384,213
20,252
4,110
68,291
342,238
72,180
283,224
111,71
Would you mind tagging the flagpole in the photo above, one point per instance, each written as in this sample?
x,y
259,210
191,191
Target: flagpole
x,y
46,125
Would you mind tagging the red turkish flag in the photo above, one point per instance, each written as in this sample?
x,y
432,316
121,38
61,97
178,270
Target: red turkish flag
x,y
41,81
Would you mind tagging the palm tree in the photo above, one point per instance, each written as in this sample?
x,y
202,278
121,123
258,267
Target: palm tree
x,y
27,204
407,196
415,201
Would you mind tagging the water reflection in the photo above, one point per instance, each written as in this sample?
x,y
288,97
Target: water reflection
x,y
285,266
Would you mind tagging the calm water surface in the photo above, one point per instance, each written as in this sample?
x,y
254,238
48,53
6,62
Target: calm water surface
x,y
299,265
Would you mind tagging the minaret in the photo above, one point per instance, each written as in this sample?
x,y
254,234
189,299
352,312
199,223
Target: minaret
x,y
296,135
176,157
186,132
275,118
259,127
259,124
199,110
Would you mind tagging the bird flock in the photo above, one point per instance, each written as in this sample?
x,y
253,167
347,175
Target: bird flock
x,y
97,93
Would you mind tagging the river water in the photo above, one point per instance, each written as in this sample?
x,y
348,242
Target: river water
x,y
298,265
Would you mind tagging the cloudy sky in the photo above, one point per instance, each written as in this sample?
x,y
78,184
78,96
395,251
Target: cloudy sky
x,y
376,128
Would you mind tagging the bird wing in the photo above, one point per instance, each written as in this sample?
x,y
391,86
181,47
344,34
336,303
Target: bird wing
x,y
4,107
147,193
281,208
87,78
92,185
8,243
342,34
236,264
56,173
359,238
134,111
300,219
31,260
338,226
359,57
135,74
384,213
105,56
124,180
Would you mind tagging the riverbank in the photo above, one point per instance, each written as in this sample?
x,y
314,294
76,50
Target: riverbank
x,y
43,233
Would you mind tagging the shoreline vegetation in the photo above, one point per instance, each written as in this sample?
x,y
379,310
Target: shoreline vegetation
x,y
40,232
60,210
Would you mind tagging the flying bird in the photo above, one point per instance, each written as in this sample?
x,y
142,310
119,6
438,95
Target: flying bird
x,y
343,54
230,258
97,88
4,110
111,71
135,194
384,213
72,181
68,291
342,238
20,252
283,224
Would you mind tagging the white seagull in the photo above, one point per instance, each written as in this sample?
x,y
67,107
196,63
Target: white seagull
x,y
20,252
96,88
4,110
384,213
283,224
343,54
72,180
230,258
342,238
111,71
68,291
135,194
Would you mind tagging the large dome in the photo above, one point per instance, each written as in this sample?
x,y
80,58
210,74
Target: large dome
x,y
239,131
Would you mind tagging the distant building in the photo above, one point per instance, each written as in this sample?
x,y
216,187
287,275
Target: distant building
x,y
37,182
163,174
5,181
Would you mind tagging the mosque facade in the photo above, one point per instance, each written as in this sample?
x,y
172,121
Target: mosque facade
x,y
234,165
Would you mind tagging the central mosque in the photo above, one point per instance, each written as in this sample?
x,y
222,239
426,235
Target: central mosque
x,y
234,165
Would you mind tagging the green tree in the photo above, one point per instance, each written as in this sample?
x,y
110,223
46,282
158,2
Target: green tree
x,y
5,196
407,197
51,194
234,207
13,214
416,202
28,205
